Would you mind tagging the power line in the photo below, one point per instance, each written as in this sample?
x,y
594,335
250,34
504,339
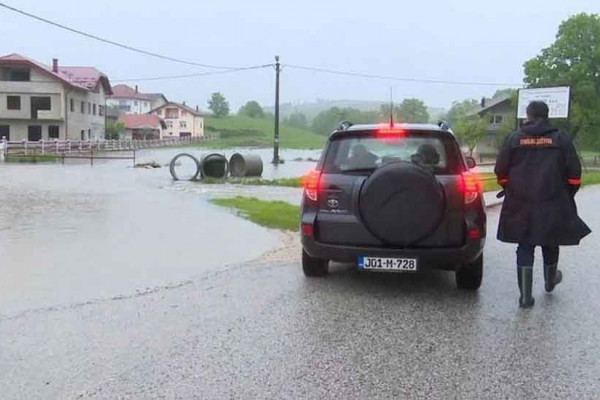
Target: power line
x,y
395,78
111,42
160,78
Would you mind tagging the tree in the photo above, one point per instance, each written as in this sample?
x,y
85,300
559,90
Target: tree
x,y
218,105
413,110
470,130
461,109
574,59
114,130
500,93
252,109
296,119
326,121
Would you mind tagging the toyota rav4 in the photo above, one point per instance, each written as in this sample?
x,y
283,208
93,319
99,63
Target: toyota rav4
x,y
394,198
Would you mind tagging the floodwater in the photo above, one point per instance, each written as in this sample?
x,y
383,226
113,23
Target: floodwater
x,y
74,233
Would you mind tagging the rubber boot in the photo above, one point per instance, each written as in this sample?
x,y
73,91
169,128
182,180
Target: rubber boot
x,y
525,279
552,276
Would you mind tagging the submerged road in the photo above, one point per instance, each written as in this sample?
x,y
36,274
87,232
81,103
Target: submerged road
x,y
264,331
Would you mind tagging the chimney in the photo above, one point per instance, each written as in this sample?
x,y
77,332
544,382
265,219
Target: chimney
x,y
197,109
482,102
55,65
183,103
136,89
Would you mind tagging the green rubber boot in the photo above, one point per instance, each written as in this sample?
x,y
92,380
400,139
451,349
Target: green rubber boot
x,y
552,275
525,279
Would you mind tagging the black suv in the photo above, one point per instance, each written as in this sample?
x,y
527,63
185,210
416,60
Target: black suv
x,y
394,198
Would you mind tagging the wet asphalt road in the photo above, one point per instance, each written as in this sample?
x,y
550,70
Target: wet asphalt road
x,y
264,331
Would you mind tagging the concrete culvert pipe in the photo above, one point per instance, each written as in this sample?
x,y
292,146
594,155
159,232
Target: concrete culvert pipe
x,y
215,166
173,164
241,165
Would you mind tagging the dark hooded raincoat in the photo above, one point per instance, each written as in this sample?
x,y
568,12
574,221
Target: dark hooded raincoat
x,y
540,171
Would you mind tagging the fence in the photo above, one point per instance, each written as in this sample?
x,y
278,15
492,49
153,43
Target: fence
x,y
61,147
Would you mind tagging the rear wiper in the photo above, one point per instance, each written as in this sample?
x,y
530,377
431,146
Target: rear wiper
x,y
370,169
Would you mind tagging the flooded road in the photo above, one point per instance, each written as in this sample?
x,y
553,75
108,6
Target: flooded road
x,y
72,233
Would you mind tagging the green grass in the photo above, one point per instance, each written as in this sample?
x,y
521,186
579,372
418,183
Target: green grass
x,y
285,182
44,158
270,214
240,131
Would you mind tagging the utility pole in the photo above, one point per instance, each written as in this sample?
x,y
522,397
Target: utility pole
x,y
276,140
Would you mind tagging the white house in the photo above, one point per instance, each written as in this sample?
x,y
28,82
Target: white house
x,y
180,120
128,100
42,102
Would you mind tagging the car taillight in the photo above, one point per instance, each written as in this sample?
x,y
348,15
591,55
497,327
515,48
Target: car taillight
x,y
307,230
471,187
311,185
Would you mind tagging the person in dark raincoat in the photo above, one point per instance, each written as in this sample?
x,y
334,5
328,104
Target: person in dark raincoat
x,y
540,172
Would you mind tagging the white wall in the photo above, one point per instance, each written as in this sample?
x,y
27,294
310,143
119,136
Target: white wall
x,y
131,106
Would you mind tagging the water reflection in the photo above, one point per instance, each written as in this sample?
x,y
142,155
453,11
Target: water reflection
x,y
73,233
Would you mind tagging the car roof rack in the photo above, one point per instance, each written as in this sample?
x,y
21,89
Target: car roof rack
x,y
344,125
444,125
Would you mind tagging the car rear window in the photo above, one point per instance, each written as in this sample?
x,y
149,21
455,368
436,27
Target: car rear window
x,y
363,153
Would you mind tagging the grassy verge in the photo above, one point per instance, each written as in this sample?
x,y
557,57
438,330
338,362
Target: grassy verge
x,y
284,182
239,131
45,158
270,214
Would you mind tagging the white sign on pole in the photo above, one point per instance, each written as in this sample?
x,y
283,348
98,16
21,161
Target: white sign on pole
x,y
557,99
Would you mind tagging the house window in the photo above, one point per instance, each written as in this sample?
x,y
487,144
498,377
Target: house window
x,y
5,132
94,108
72,105
16,74
169,124
82,134
40,104
201,124
171,113
496,119
100,110
83,107
89,107
34,133
89,134
135,103
182,124
13,102
53,131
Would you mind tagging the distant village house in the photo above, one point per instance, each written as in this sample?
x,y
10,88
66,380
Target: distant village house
x,y
142,126
499,114
51,102
128,100
180,120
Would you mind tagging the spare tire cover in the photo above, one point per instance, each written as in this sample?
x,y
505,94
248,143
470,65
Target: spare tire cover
x,y
401,203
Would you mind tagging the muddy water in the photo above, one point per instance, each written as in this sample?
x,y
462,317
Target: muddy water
x,y
75,233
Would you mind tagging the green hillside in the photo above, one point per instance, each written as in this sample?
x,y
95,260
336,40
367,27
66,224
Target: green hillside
x,y
240,131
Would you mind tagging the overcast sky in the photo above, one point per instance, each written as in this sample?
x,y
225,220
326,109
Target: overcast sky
x,y
463,40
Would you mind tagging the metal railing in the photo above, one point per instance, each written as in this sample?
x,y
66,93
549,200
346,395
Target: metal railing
x,y
56,146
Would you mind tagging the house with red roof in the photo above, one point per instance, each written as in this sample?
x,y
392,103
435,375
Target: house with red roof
x,y
38,101
142,126
181,120
128,100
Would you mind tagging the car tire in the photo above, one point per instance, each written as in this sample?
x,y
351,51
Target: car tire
x,y
314,267
469,277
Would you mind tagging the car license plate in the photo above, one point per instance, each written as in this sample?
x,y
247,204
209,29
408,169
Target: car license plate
x,y
387,264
